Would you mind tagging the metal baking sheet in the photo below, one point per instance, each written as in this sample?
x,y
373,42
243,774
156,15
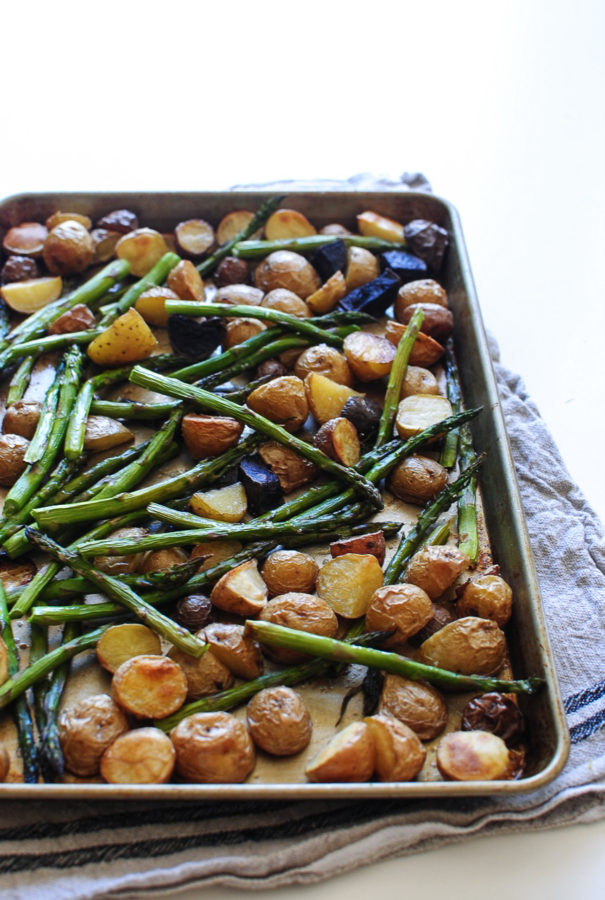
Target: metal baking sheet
x,y
548,740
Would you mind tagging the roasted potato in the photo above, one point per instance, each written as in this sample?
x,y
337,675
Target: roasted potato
x,y
87,729
151,304
287,223
207,436
29,296
284,269
241,591
227,504
240,329
329,295
420,411
232,223
292,469
339,440
426,350
372,224
348,582
235,649
103,433
205,674
471,646
25,239
399,752
438,321
417,479
286,301
401,608
362,266
68,249
418,380
128,339
121,642
122,565
213,748
350,756
240,295
193,611
119,220
142,248
473,756
303,612
19,268
4,667
13,448
78,318
15,573
186,281
22,418
435,568
487,596
211,553
425,290
194,237
326,397
104,244
494,712
369,355
161,560
289,570
279,722
324,360
141,756
149,686
231,270
417,705
373,543
57,218
283,401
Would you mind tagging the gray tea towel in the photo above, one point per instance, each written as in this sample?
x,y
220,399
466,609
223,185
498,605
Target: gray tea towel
x,y
100,850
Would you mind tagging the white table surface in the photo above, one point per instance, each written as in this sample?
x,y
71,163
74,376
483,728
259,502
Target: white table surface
x,y
501,106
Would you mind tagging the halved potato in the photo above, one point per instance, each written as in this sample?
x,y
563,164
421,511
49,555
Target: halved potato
x,y
194,236
22,418
25,239
471,646
128,339
418,380
362,266
234,648
205,674
348,582
326,397
338,439
420,411
241,591
400,754
239,295
240,329
324,360
152,304
28,296
426,350
287,223
141,756
79,318
292,469
122,642
5,762
350,756
103,433
372,224
279,721
303,612
329,295
186,281
473,756
369,355
228,504
142,248
231,225
58,217
149,686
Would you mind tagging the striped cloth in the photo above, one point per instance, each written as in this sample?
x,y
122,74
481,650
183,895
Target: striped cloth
x,y
102,850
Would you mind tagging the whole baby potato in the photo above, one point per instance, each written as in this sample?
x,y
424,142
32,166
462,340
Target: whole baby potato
x,y
213,748
205,674
418,380
22,418
283,400
87,729
417,705
435,568
438,321
471,646
279,721
303,612
326,361
403,608
289,570
284,269
68,249
13,448
424,290
286,301
417,479
487,596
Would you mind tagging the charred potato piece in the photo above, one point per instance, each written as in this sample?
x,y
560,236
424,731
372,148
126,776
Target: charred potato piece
x,y
240,295
284,269
287,223
292,469
22,418
142,248
121,642
417,479
326,397
78,318
362,266
425,290
4,667
438,321
283,401
235,649
369,355
473,756
128,339
68,249
205,674
279,722
241,591
87,729
494,712
286,301
25,239
373,544
350,756
399,752
270,368
19,268
471,646
324,360
149,686
103,433
186,281
142,756
26,297
193,612
435,568
231,270
348,582
211,553
329,295
487,596
420,411
303,612
418,380
289,570
227,504
213,748
401,608
5,763
119,220
417,705
13,448
339,440
194,237
239,330
151,304
426,350
372,224
209,435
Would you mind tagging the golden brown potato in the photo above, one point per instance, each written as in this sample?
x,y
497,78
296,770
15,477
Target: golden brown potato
x,y
339,440
5,763
420,411
149,686
194,237
142,248
121,642
399,752
425,290
4,667
227,504
372,224
284,269
122,565
141,756
286,301
235,649
186,281
292,469
326,361
329,295
369,355
87,729
103,433
232,223
283,401
373,543
241,591
279,722
418,380
59,217
213,748
239,295
362,266
128,339
438,321
29,296
417,705
205,674
78,318
426,350
68,249
239,330
287,223
211,553
348,582
104,244
435,568
151,304
473,756
486,596
209,435
22,418
25,239
13,448
161,560
403,608
471,646
350,756
326,397
303,612
417,479
289,570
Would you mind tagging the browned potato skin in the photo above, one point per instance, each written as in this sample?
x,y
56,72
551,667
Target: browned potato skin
x,y
286,301
87,729
329,294
399,752
487,596
418,380
292,469
121,642
403,607
425,352
284,269
193,612
471,646
5,762
279,722
119,220
213,748
438,321
149,686
425,290
235,649
209,435
160,560
22,418
369,355
373,544
186,281
339,440
289,570
205,675
4,668
283,400
16,572
324,360
68,249
350,756
240,329
435,568
59,217
301,611
417,479
78,318
473,756
141,756
19,268
13,448
194,237
417,705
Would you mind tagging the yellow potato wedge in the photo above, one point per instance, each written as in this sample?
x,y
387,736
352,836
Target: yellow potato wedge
x,y
151,304
141,756
28,296
350,756
420,411
128,339
149,686
328,295
287,223
142,248
326,397
241,591
186,281
348,582
362,266
372,224
122,642
226,504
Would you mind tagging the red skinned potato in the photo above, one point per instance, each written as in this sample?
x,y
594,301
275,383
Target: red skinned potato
x,y
209,435
339,440
373,544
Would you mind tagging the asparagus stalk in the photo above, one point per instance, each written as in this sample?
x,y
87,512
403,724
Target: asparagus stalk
x,y
47,418
10,527
47,344
309,243
108,466
132,409
257,221
449,450
50,753
340,651
174,388
5,319
396,376
20,380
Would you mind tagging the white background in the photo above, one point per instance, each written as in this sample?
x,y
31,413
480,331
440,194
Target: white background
x,y
500,105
